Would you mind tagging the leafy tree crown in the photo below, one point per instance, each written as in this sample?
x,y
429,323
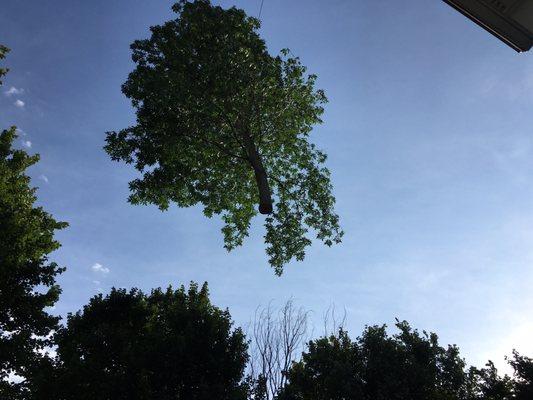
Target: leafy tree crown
x,y
169,344
409,365
222,123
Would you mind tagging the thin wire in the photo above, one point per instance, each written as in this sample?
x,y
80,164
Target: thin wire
x,y
260,9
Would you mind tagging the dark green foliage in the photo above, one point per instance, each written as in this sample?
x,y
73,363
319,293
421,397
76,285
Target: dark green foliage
x,y
376,366
27,279
258,388
523,374
489,385
326,371
223,123
166,345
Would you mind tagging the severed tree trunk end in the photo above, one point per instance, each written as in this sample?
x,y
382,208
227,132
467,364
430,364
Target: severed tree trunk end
x,y
266,208
265,195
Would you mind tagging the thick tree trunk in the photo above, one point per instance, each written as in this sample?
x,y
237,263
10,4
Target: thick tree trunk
x,y
265,196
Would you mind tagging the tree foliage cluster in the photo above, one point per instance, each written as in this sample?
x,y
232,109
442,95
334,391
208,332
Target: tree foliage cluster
x,y
171,344
222,123
174,344
408,365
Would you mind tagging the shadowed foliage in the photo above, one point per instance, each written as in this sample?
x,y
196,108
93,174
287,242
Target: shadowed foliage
x,y
171,344
523,374
406,366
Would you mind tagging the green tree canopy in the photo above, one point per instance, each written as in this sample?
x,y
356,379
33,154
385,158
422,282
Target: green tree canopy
x,y
222,123
171,344
27,279
406,366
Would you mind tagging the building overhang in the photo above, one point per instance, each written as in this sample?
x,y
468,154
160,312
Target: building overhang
x,y
511,21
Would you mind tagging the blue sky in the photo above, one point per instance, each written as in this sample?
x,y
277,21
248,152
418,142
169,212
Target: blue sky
x,y
429,136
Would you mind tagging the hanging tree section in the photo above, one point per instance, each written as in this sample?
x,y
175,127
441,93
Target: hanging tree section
x,y
511,21
224,124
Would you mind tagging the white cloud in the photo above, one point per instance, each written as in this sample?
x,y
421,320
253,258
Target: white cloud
x,y
97,267
13,90
96,282
19,103
44,178
26,143
511,87
20,132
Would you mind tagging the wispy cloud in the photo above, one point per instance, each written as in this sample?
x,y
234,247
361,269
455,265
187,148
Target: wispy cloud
x,y
99,268
13,91
26,143
510,154
511,87
44,178
19,103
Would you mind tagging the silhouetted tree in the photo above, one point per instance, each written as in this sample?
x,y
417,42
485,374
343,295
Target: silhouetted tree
x,y
171,344
523,376
376,366
488,385
27,279
223,123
